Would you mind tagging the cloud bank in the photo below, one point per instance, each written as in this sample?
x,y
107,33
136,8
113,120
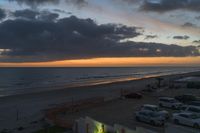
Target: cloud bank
x,y
189,25
145,5
185,37
40,36
196,41
150,37
35,3
35,15
2,14
166,5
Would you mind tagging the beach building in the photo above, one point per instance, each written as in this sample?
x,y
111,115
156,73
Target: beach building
x,y
89,125
188,82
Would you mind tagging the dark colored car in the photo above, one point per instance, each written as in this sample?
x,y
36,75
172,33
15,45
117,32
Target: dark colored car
x,y
186,98
194,103
133,95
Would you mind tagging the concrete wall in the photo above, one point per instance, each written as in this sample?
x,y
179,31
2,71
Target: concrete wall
x,y
88,125
171,128
122,129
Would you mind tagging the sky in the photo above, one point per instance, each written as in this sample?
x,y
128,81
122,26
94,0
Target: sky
x,y
99,33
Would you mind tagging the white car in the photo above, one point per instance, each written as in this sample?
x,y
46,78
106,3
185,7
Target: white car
x,y
169,102
151,118
155,109
187,119
191,109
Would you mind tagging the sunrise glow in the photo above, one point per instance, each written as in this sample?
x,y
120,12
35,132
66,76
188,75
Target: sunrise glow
x,y
113,62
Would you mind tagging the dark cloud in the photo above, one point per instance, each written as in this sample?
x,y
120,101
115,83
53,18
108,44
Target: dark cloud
x,y
165,5
158,49
151,37
2,14
169,5
128,1
25,40
29,14
47,16
188,24
67,38
32,14
181,37
62,11
198,17
196,41
35,3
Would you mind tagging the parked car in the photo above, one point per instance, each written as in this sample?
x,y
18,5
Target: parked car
x,y
183,107
194,103
191,109
155,109
133,95
187,119
186,98
150,118
148,90
169,102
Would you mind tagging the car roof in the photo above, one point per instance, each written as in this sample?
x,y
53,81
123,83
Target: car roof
x,y
146,112
149,105
143,111
187,95
184,113
195,102
169,98
193,106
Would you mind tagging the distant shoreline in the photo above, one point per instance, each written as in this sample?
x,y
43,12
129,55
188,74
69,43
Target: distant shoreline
x,y
101,84
22,81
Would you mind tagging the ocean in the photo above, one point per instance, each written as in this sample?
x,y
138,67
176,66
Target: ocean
x,y
29,80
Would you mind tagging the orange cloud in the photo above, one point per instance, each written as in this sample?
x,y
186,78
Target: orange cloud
x,y
113,62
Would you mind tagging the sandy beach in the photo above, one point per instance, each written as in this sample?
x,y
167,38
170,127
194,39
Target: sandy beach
x,y
23,110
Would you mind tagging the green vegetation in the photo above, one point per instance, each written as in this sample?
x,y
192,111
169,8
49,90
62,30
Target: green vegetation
x,y
54,129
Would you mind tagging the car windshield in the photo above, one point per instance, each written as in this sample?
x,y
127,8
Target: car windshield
x,y
172,101
195,103
194,116
193,109
154,115
189,96
143,113
183,108
152,108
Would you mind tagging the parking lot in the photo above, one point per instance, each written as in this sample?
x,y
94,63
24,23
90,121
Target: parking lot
x,y
122,111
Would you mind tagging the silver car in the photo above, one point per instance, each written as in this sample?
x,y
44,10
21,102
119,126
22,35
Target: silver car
x,y
155,109
191,109
187,119
150,118
169,102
